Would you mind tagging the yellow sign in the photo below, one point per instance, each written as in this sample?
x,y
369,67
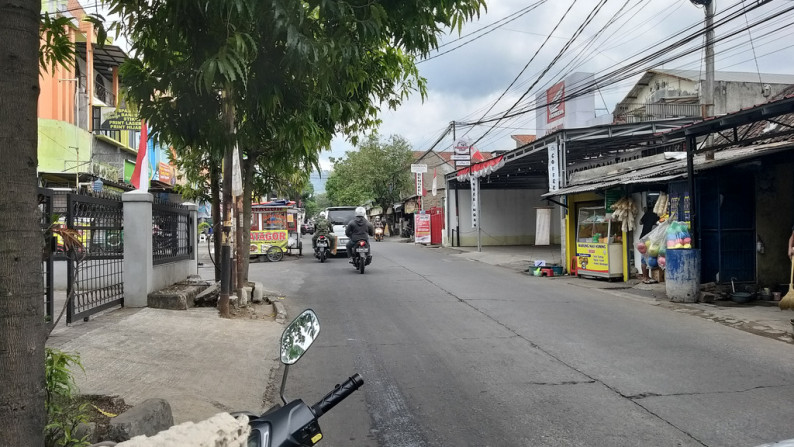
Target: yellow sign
x,y
592,257
262,240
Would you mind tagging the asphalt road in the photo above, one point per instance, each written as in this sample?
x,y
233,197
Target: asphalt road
x,y
461,353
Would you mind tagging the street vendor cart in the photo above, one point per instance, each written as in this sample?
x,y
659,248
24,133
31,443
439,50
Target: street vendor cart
x,y
598,244
275,229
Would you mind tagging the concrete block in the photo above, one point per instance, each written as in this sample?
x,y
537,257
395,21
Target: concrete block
x,y
219,430
245,297
706,297
175,297
259,293
234,301
149,418
280,311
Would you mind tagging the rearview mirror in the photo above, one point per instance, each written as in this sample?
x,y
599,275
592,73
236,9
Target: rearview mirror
x,y
298,336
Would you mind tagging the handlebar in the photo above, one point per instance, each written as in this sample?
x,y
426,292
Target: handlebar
x,y
338,394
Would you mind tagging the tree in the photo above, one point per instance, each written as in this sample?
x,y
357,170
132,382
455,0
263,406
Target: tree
x,y
22,329
377,172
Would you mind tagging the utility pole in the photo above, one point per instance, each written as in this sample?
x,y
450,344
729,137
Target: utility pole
x,y
708,94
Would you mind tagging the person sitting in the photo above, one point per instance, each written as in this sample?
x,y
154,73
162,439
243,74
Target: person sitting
x,y
324,227
359,229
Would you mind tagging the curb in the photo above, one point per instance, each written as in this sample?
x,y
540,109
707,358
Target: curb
x,y
280,311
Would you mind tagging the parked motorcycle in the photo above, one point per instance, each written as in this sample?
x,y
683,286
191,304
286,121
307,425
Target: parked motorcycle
x,y
295,424
322,248
361,256
378,234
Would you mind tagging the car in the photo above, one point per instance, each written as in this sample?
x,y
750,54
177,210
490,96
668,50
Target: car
x,y
340,216
307,228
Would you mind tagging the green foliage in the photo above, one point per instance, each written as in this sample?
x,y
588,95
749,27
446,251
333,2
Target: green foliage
x,y
203,226
377,171
64,413
56,48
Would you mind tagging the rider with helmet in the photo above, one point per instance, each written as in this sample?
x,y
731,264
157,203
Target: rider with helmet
x,y
359,229
324,227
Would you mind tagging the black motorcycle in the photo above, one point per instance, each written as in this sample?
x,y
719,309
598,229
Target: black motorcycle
x,y
295,423
322,248
361,255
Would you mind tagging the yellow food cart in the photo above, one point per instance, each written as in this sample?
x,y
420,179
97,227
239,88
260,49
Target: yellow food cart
x,y
599,245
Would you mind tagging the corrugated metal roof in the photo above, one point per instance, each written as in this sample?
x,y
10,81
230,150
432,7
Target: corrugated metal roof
x,y
677,169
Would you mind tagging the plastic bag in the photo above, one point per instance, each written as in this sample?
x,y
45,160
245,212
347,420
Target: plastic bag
x,y
653,246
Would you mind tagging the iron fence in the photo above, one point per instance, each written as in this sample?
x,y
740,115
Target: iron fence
x,y
171,232
48,252
95,270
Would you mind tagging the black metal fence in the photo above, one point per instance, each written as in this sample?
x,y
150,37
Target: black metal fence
x,y
95,270
172,232
48,252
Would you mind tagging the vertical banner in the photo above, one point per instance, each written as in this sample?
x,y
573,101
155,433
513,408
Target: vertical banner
x,y
420,189
475,202
542,226
422,226
554,167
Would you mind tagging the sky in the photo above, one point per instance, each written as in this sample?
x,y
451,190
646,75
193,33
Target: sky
x,y
466,81
516,42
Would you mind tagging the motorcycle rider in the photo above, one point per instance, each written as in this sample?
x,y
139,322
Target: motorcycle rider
x,y
324,227
359,229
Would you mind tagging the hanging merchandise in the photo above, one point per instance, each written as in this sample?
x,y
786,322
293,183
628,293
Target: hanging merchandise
x,y
625,210
662,204
652,247
678,236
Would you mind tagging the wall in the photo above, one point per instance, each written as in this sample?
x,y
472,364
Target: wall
x,y
774,217
164,275
733,96
59,142
507,217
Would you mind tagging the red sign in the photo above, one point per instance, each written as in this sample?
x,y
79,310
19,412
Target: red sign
x,y
422,225
268,236
555,102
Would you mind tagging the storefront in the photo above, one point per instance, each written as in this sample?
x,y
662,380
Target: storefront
x,y
595,245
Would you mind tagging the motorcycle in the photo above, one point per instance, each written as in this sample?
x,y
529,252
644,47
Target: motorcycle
x,y
295,424
378,234
361,256
322,248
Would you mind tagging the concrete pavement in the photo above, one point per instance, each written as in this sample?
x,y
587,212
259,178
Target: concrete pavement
x,y
759,317
203,364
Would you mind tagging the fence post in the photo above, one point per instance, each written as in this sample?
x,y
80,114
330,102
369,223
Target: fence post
x,y
138,265
193,235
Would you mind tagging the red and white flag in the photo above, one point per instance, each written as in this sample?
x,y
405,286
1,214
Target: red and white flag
x,y
140,176
435,183
477,156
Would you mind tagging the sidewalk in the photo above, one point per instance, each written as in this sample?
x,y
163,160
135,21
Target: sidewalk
x,y
200,363
758,317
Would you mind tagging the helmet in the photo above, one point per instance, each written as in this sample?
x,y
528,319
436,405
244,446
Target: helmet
x,y
324,214
360,211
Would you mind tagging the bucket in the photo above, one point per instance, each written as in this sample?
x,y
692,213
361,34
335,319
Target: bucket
x,y
682,277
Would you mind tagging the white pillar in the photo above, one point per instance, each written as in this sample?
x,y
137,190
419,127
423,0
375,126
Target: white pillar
x,y
138,266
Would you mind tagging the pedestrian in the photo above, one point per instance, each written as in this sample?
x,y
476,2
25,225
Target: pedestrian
x,y
648,221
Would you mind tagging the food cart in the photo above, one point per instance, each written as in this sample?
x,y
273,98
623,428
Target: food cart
x,y
274,229
599,245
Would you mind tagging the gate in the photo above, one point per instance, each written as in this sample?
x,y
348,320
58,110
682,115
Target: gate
x,y
436,225
48,253
94,272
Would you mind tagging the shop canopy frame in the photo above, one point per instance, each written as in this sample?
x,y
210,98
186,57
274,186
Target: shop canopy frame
x,y
526,167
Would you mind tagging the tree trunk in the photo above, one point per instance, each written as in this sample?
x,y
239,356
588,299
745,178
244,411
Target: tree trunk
x,y
223,300
215,188
22,328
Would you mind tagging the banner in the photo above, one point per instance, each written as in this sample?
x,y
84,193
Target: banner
x,y
475,202
420,188
142,163
262,240
435,183
422,226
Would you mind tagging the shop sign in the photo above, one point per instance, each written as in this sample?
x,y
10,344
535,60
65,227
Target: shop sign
x,y
418,169
555,102
461,153
554,166
475,202
119,119
420,188
262,240
422,226
165,174
592,257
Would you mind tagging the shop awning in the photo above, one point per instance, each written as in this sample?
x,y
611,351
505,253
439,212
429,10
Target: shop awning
x,y
608,183
480,169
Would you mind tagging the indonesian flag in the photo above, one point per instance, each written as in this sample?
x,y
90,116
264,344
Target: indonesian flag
x,y
435,183
140,176
477,156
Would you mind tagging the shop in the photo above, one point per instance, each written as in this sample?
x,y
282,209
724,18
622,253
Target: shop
x,y
595,240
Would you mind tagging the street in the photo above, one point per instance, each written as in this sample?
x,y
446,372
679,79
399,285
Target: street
x,y
462,353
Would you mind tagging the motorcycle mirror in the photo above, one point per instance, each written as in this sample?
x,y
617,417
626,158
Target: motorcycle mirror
x,y
298,336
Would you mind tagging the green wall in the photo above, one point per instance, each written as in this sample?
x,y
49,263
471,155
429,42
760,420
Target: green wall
x,y
59,142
